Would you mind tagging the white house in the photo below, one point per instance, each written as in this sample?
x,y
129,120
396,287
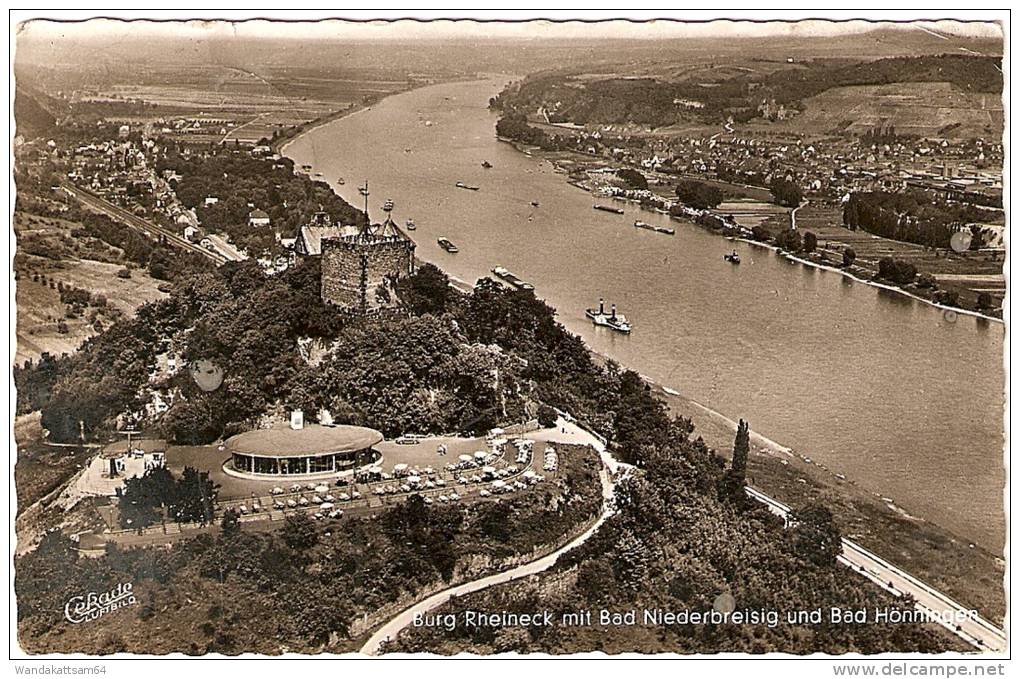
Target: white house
x,y
258,218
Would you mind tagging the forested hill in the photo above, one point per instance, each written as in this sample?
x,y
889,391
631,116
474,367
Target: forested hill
x,y
717,91
33,119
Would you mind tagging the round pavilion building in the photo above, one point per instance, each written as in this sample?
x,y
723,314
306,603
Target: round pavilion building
x,y
312,450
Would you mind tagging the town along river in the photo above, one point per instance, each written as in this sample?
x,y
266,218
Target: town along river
x,y
898,396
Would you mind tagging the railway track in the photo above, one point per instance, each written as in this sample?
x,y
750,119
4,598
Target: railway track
x,y
135,223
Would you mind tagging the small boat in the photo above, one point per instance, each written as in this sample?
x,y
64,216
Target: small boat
x,y
651,227
462,185
486,164
612,320
508,276
534,203
409,224
608,208
447,245
732,258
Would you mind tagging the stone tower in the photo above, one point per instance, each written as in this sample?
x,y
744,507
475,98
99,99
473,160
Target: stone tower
x,y
360,268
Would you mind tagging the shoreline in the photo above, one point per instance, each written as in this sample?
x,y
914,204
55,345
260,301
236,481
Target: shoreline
x,y
873,283
281,146
536,152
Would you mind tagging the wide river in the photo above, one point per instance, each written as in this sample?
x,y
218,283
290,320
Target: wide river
x,y
891,392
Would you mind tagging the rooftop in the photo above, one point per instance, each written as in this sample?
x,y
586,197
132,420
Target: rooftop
x,y
313,439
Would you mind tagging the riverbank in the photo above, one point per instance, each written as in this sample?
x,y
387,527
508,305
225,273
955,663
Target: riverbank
x,y
966,571
280,144
573,164
867,281
962,569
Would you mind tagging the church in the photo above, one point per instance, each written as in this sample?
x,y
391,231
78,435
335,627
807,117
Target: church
x,y
360,264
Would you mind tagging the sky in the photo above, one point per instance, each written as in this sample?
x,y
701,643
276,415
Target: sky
x,y
410,29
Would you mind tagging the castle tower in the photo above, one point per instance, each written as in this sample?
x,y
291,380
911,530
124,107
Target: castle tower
x,y
360,268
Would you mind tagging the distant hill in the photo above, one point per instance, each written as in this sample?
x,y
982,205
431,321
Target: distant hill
x,y
715,92
32,119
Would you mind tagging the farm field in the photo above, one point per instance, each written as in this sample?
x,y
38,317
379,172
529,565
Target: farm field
x,y
241,105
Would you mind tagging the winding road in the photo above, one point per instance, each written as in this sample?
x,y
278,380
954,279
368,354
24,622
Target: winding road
x,y
571,433
967,625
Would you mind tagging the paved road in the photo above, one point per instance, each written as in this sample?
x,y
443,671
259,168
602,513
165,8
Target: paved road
x,y
565,433
793,216
225,249
974,630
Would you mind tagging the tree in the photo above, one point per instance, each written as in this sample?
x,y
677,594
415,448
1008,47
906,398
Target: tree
x,y
698,195
789,239
815,536
546,415
230,523
495,521
849,255
851,214
300,532
515,126
896,270
984,300
741,448
947,297
195,495
731,484
145,498
192,422
426,292
632,178
785,192
596,579
810,242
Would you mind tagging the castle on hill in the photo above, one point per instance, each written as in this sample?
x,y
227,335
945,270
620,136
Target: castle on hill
x,y
361,264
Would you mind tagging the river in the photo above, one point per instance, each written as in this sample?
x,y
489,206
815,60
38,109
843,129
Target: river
x,y
898,396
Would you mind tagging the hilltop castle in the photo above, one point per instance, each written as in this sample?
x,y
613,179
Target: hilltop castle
x,y
360,264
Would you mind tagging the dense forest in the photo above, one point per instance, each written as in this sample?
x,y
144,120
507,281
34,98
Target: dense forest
x,y
685,533
698,195
437,360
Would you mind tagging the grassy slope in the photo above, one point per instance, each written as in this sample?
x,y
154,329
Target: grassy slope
x,y
39,306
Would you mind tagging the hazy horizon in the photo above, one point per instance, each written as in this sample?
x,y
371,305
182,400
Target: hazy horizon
x,y
525,30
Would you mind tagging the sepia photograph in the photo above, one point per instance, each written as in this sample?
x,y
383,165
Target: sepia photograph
x,y
560,336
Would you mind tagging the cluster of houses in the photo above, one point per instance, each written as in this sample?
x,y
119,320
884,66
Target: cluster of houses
x,y
829,167
123,171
